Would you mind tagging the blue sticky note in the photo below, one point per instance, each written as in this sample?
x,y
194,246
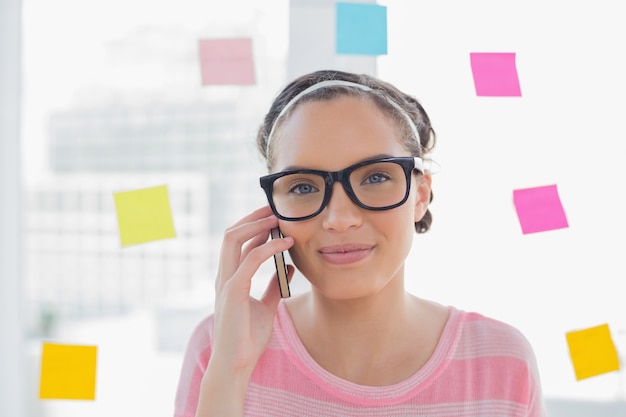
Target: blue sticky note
x,y
361,29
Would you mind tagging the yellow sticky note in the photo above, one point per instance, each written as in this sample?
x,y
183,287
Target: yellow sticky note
x,y
592,351
68,372
144,215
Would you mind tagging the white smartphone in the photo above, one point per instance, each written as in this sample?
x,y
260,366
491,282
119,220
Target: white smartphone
x,y
281,268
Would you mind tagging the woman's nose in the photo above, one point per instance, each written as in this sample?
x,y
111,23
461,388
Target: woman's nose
x,y
341,214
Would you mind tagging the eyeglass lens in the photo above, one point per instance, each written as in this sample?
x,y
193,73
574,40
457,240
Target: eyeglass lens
x,y
376,185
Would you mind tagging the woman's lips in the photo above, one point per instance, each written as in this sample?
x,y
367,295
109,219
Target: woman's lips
x,y
345,254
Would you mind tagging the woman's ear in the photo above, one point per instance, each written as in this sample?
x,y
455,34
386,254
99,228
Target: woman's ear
x,y
422,201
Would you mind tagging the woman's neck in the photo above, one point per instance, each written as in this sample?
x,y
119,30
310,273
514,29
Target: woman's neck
x,y
378,340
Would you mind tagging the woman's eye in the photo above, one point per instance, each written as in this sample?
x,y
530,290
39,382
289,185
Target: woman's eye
x,y
303,189
376,178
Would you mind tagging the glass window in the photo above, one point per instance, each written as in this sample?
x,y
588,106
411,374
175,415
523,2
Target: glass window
x,y
113,102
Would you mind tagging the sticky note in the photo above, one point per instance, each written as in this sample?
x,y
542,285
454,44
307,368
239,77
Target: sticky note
x,y
361,29
68,372
592,351
495,74
539,209
226,61
144,215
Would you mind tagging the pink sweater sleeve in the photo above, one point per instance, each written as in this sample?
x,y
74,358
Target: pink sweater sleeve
x,y
194,365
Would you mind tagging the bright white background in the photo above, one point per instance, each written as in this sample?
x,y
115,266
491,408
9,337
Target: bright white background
x,y
566,129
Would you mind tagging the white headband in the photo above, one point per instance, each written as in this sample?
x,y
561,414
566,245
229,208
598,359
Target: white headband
x,y
330,83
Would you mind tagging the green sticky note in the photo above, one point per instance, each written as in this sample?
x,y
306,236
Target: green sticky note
x,y
592,351
68,372
144,215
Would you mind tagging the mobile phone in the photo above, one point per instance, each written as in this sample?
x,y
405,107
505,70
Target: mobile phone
x,y
281,267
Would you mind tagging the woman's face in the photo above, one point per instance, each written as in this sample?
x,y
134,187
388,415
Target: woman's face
x,y
346,251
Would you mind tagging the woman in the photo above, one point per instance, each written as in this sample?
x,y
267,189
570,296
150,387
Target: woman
x,y
349,187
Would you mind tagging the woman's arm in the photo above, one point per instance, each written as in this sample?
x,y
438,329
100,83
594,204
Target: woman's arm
x,y
222,393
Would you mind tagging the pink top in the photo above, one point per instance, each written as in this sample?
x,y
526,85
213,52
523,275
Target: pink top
x,y
480,367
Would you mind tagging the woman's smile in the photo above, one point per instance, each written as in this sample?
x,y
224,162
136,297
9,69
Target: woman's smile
x,y
345,254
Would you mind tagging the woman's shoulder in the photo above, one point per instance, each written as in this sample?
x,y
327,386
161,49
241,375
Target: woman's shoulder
x,y
201,336
481,335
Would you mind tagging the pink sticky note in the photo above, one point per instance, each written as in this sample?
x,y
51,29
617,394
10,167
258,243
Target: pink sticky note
x,y
495,74
539,209
226,61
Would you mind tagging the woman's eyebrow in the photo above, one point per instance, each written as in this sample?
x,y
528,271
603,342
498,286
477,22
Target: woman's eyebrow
x,y
367,158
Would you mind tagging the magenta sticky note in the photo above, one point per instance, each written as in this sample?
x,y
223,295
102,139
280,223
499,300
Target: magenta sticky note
x,y
539,209
495,74
226,61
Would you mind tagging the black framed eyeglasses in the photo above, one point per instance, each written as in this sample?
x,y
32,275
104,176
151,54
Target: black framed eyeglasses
x,y
377,184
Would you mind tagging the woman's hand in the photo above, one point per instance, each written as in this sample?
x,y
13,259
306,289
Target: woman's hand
x,y
243,324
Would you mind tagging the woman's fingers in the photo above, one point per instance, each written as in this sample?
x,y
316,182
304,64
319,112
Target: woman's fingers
x,y
255,226
238,234
253,243
242,279
255,215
